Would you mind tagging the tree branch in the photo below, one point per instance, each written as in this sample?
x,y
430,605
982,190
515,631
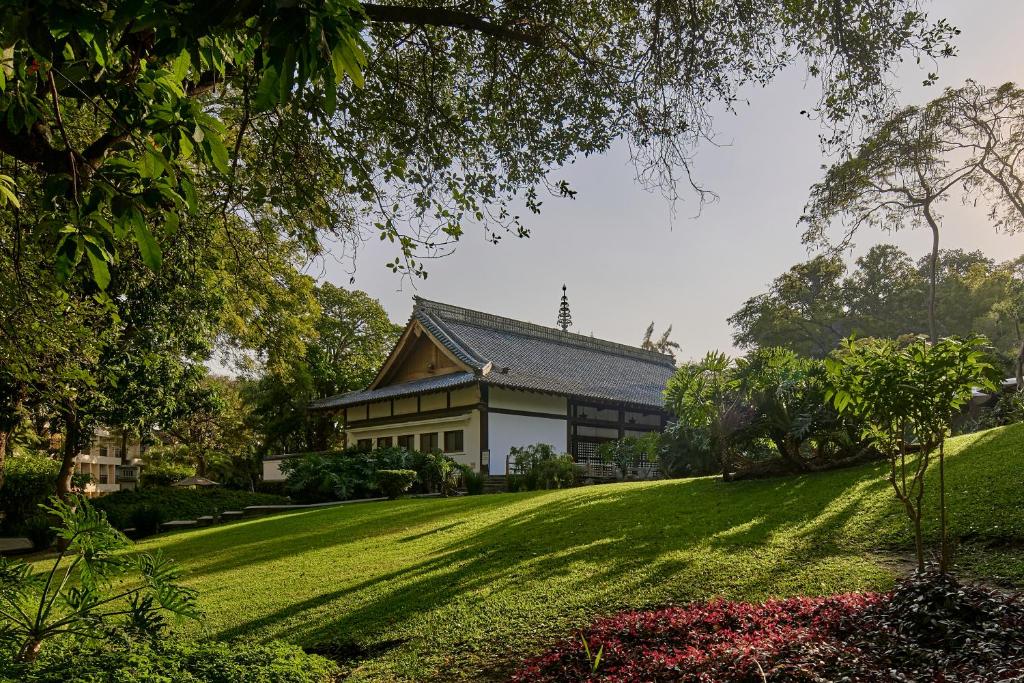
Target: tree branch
x,y
437,16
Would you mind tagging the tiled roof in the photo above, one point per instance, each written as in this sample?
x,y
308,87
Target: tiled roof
x,y
521,355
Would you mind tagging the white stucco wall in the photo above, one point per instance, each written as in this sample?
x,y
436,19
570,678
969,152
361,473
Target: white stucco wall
x,y
526,400
507,431
272,470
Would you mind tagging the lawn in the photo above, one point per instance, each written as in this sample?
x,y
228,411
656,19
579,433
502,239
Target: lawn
x,y
463,588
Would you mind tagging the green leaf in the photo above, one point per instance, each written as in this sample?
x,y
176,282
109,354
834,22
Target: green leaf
x,y
148,247
100,272
218,153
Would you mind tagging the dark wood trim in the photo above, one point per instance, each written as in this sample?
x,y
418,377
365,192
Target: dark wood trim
x,y
418,397
622,424
448,398
484,429
412,417
392,407
528,413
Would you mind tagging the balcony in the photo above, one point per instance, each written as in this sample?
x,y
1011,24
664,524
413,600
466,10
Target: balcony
x,y
126,474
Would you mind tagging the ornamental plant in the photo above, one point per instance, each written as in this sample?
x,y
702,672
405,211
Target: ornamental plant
x,y
393,483
93,590
908,395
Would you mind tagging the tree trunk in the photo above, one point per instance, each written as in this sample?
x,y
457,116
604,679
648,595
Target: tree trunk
x,y
5,438
944,552
932,274
72,438
28,651
124,446
1020,367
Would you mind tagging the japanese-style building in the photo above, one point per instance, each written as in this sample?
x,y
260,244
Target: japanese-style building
x,y
474,385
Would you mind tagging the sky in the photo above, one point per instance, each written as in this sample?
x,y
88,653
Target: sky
x,y
627,261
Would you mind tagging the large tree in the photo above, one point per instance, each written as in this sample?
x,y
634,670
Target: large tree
x,y
410,119
964,145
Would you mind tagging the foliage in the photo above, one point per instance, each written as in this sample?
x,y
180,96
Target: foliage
x,y
1008,409
394,483
423,571
38,529
78,596
909,393
443,470
539,467
929,628
30,480
163,474
662,344
122,508
353,336
685,452
146,519
630,451
813,306
963,145
472,480
169,659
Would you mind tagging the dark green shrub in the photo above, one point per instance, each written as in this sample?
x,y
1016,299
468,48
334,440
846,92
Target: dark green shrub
x,y
393,483
686,452
178,503
146,519
540,467
164,474
174,660
335,475
39,530
276,488
29,479
472,480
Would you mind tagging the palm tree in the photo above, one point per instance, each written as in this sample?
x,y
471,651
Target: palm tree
x,y
663,344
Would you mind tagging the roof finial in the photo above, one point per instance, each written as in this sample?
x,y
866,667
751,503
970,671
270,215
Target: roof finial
x,y
564,316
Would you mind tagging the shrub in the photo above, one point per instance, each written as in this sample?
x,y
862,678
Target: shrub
x,y
472,480
177,503
630,452
39,530
175,660
539,467
441,471
30,478
164,474
686,452
276,488
335,475
393,483
146,519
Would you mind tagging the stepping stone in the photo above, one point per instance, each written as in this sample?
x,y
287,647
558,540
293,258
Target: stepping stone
x,y
179,524
232,514
205,520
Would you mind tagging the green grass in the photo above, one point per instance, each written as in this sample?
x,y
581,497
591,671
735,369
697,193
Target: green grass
x,y
463,588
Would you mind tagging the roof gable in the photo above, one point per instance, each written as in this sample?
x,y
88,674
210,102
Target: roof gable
x,y
504,352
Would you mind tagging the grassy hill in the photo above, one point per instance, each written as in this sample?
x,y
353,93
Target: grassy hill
x,y
459,588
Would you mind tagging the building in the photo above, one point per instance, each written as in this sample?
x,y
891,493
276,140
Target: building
x,y
109,471
475,385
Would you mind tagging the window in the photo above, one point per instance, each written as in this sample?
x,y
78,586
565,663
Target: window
x,y
428,442
364,444
407,441
384,442
453,441
103,451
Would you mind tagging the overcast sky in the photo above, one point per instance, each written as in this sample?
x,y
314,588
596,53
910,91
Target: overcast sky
x,y
627,262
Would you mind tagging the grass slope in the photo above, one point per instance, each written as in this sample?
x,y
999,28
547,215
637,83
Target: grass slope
x,y
463,588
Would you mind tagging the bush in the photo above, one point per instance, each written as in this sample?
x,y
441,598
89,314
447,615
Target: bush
x,y
39,530
335,475
30,478
472,480
276,488
686,452
177,503
164,474
630,452
146,519
539,467
393,483
175,660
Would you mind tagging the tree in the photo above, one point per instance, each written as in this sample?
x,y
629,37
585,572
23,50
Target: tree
x,y
352,337
509,93
803,310
663,344
964,144
705,395
213,430
908,396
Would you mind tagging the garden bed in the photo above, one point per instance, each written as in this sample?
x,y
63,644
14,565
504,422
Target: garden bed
x,y
930,628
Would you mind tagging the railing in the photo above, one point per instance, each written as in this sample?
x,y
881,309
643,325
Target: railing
x,y
126,473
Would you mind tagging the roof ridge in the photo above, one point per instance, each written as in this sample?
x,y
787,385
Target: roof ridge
x,y
480,318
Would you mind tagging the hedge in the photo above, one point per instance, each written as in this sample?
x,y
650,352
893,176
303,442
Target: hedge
x,y
123,508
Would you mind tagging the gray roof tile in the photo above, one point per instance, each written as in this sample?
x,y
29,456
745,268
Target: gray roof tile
x,y
521,355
